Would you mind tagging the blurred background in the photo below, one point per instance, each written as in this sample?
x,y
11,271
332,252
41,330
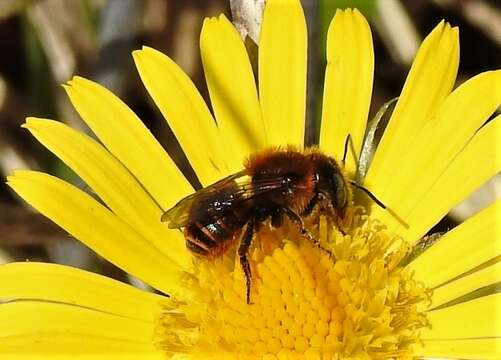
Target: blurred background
x,y
44,43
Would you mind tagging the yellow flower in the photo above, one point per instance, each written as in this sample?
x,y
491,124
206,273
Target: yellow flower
x,y
363,302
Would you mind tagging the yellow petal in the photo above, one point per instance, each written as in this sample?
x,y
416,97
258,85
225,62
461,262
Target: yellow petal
x,y
128,139
348,84
430,80
461,349
232,90
186,112
31,318
468,245
74,347
485,276
64,284
473,166
93,224
471,319
460,116
112,183
282,71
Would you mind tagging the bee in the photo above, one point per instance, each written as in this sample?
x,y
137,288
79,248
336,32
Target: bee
x,y
273,185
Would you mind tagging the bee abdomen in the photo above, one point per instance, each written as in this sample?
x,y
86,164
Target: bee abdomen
x,y
213,236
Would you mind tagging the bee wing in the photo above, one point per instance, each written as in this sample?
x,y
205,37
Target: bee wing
x,y
178,215
242,189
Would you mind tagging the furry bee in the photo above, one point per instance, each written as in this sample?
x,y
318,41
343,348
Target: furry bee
x,y
274,184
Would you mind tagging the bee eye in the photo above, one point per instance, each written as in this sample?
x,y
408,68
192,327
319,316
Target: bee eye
x,y
340,190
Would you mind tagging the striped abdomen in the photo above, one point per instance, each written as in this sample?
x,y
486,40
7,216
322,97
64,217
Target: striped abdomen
x,y
211,236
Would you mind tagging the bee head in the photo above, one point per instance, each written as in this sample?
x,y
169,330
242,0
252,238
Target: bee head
x,y
332,185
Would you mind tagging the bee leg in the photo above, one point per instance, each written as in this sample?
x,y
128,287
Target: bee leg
x,y
277,219
296,219
340,229
312,204
243,249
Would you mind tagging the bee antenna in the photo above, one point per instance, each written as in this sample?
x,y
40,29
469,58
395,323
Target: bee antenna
x,y
345,151
380,203
369,194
